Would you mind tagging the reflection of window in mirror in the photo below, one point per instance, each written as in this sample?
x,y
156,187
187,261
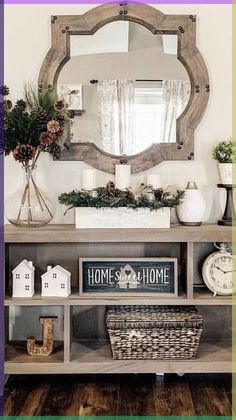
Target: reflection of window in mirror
x,y
147,114
156,107
141,87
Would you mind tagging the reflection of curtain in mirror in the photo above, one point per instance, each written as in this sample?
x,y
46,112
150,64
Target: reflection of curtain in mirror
x,y
175,98
115,111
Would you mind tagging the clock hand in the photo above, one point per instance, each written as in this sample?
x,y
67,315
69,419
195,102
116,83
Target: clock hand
x,y
218,268
231,271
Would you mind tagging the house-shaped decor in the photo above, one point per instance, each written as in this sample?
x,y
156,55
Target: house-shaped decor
x,y
56,282
128,278
23,279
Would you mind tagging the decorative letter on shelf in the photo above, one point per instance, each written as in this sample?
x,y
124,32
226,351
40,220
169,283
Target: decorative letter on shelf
x,y
46,348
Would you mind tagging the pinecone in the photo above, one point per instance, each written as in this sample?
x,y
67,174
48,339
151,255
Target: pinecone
x,y
130,194
59,105
60,118
55,150
158,194
46,138
111,190
53,127
7,105
41,117
4,90
71,114
24,152
20,104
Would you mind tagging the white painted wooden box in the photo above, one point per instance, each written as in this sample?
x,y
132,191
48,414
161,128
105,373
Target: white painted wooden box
x,y
121,217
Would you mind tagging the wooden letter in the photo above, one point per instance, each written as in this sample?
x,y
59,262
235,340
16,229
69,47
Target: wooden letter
x,y
47,347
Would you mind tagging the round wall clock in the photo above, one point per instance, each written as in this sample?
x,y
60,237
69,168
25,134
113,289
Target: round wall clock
x,y
217,271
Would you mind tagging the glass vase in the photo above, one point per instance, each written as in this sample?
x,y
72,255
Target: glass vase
x,y
29,206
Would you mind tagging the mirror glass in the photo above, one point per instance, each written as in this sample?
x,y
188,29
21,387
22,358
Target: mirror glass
x,y
126,86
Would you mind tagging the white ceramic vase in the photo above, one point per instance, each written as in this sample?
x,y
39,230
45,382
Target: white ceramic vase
x,y
225,170
192,209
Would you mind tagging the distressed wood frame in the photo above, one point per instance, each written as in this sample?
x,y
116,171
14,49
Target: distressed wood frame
x,y
184,26
129,294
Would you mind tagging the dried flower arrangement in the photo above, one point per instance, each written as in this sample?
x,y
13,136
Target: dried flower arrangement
x,y
110,196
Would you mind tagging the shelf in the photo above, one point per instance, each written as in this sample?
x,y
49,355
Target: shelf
x,y
212,358
205,297
201,297
74,300
16,353
88,357
36,300
68,234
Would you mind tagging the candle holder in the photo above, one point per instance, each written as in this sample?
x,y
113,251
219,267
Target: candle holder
x,y
229,213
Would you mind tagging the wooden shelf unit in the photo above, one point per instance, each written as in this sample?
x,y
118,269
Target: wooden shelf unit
x,y
64,244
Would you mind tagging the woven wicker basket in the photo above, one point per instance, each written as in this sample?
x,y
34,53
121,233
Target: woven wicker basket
x,y
154,332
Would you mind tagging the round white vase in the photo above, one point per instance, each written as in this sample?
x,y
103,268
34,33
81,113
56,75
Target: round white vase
x,y
225,170
192,209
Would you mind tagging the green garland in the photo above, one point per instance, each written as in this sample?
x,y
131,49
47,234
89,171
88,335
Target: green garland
x,y
112,197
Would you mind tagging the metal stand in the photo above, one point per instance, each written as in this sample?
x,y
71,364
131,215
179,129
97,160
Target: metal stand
x,y
229,213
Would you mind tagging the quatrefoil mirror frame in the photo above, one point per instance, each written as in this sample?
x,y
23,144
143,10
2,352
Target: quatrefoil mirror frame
x,y
184,26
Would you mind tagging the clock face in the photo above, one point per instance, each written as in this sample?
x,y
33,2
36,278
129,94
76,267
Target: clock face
x,y
218,273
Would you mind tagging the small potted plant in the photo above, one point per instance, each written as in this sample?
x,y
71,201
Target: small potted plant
x,y
222,153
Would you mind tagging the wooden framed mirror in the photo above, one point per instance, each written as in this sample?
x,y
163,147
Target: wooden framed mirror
x,y
142,31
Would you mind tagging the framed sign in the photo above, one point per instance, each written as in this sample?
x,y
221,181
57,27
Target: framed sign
x,y
122,276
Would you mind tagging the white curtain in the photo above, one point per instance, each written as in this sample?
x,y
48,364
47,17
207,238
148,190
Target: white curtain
x,y
175,98
115,110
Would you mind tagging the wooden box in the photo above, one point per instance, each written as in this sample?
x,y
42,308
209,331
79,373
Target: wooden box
x,y
121,217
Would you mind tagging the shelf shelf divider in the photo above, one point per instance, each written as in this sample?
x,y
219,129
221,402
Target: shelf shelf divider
x,y
190,270
67,333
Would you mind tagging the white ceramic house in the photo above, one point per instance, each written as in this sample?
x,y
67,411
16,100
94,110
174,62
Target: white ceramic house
x,y
23,279
56,282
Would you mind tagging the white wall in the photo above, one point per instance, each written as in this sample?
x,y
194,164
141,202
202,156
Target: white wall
x,y
27,39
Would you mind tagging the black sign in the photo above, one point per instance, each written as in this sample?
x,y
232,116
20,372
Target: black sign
x,y
117,275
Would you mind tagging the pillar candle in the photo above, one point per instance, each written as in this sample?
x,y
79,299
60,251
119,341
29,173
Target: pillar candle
x,y
154,180
89,179
123,176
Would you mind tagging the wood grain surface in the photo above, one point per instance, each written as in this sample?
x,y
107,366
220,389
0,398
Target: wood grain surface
x,y
66,233
122,395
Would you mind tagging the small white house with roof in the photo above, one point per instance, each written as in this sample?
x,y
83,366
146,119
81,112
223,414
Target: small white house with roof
x,y
56,282
23,279
128,278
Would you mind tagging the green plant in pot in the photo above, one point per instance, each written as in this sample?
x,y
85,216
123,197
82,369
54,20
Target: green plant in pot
x,y
32,126
223,154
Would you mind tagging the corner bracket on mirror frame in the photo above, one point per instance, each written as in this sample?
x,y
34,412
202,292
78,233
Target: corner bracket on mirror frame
x,y
124,9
